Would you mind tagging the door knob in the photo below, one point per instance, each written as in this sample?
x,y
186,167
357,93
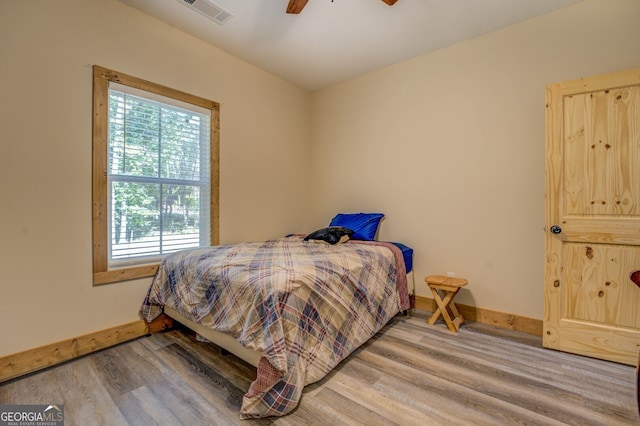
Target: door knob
x,y
555,229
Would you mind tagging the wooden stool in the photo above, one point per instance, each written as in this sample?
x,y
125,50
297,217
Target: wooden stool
x,y
444,290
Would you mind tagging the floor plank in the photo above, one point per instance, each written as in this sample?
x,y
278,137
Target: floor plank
x,y
409,373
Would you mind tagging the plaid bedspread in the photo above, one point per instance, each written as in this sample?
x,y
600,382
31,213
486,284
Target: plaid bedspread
x,y
305,305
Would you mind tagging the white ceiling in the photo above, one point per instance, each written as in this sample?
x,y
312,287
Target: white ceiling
x,y
334,40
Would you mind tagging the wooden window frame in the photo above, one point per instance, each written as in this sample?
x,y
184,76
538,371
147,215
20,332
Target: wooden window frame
x,y
101,78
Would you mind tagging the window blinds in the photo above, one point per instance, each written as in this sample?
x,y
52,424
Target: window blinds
x,y
158,175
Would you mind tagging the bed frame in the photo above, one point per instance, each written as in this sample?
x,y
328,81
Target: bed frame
x,y
225,341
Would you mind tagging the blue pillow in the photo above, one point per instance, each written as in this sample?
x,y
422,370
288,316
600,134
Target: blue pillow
x,y
364,225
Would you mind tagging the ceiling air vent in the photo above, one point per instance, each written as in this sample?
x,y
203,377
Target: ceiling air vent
x,y
209,9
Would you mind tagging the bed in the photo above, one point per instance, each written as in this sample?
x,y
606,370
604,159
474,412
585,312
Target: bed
x,y
292,307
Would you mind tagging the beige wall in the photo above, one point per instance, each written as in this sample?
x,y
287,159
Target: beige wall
x,y
450,146
47,49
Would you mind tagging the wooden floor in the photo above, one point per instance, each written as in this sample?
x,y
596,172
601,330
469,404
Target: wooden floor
x,y
409,374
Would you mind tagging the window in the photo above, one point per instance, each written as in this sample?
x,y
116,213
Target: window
x,y
155,175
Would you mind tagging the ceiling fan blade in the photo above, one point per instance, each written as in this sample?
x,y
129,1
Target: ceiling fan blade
x,y
296,6
390,2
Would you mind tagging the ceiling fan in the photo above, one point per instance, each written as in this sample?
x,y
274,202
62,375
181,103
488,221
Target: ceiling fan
x,y
296,6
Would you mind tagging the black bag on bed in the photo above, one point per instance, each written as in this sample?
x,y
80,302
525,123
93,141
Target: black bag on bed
x,y
330,235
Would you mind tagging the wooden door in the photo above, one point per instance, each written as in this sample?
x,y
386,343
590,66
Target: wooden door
x,y
592,243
